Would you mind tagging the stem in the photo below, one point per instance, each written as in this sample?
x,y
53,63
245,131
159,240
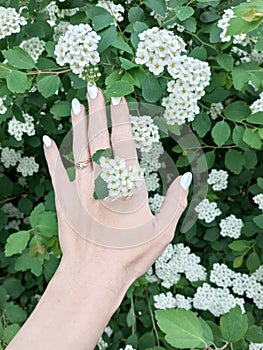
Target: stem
x,y
152,318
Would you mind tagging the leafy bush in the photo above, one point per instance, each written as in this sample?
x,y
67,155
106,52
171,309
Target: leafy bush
x,y
202,68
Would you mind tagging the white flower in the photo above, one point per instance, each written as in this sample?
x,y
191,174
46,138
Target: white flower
x,y
176,260
17,128
257,106
216,300
152,182
55,12
3,108
121,181
150,160
157,47
34,47
11,211
78,47
221,275
10,21
255,346
258,199
27,166
231,226
145,132
215,110
207,211
115,10
9,157
156,202
218,178
128,347
164,301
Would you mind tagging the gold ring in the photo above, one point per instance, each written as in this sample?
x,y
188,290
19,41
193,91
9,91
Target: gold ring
x,y
82,164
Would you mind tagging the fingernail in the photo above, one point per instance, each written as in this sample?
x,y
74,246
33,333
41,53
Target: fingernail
x,y
186,180
115,100
47,141
76,107
92,91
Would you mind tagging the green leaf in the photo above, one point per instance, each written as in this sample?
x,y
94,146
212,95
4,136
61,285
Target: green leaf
x,y
28,262
240,77
239,245
100,188
48,84
10,331
256,118
61,109
184,12
183,329
199,52
233,325
121,44
108,153
16,81
157,6
151,89
234,161
237,111
127,64
207,332
19,58
107,38
118,89
254,334
237,136
252,138
253,262
221,132
40,208
225,61
14,313
238,261
131,317
102,21
202,124
136,14
258,220
13,287
16,242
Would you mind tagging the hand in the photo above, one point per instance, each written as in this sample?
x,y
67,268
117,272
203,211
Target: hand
x,y
92,230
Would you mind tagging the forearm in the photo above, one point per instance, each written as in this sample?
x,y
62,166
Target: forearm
x,y
72,313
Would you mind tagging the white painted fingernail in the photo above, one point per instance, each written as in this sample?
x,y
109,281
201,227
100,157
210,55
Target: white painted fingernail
x,y
92,91
115,100
47,141
186,180
76,106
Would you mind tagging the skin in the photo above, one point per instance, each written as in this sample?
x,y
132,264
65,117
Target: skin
x,y
92,279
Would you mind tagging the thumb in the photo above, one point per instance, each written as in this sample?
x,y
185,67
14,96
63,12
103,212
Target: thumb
x,y
175,202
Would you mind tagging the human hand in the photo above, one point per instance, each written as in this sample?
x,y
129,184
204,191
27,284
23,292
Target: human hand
x,y
122,237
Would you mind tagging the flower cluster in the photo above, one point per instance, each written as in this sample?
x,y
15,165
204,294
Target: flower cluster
x,y
10,21
255,346
223,23
78,47
145,132
215,110
150,160
240,283
128,347
34,47
27,166
258,199
257,106
168,301
157,48
231,226
152,182
9,157
219,179
216,300
55,12
102,344
3,108
11,211
60,29
156,202
115,10
177,260
207,211
17,128
244,56
192,76
121,181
